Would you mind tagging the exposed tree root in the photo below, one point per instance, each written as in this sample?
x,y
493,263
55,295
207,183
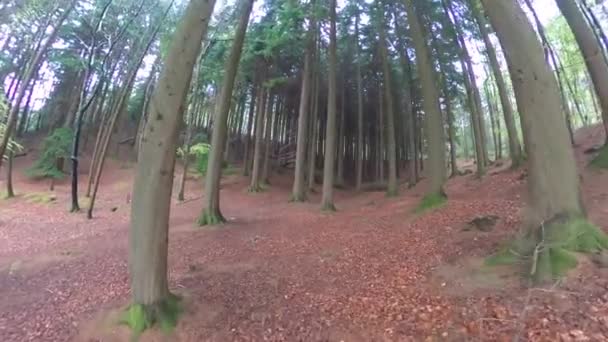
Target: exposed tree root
x,y
164,314
210,219
546,252
255,189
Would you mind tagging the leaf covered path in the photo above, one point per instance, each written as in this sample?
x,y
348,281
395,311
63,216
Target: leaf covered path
x,y
373,271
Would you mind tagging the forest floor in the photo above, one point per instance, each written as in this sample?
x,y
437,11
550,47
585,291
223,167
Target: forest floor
x,y
373,271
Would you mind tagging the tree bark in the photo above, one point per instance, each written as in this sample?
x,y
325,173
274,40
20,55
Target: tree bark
x,y
148,236
360,142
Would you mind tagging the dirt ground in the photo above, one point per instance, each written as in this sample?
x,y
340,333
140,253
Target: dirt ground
x,y
373,271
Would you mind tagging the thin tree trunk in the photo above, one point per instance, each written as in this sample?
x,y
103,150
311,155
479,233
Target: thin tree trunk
x,y
248,132
391,144
592,53
212,213
327,200
430,99
360,142
267,139
255,185
514,145
10,193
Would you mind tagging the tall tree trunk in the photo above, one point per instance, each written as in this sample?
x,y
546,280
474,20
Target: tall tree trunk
x,y
391,143
148,238
409,112
212,213
592,53
507,108
31,69
314,127
270,112
430,98
474,105
553,182
298,193
327,201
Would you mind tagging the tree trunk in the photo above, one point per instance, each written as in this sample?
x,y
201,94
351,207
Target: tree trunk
x,y
148,238
270,112
327,201
474,105
259,135
248,133
212,213
298,193
10,193
514,145
314,133
430,98
592,53
32,69
553,182
360,143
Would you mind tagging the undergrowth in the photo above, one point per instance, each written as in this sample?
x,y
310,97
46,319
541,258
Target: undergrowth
x,y
546,253
601,160
139,317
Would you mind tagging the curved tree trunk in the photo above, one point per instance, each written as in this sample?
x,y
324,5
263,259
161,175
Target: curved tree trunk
x,y
592,53
148,238
553,182
430,98
327,200
212,213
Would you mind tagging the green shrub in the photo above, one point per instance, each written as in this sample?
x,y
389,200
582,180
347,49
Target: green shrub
x,y
55,147
601,160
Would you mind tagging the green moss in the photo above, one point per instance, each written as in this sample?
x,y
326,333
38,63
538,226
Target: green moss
x,y
210,219
328,208
40,197
546,252
392,193
139,317
430,202
601,160
256,189
297,199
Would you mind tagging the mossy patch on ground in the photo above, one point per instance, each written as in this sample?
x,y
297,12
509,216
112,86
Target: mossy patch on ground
x,y
430,202
210,219
547,253
40,197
